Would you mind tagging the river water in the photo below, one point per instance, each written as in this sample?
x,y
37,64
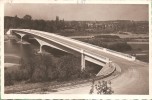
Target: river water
x,y
15,51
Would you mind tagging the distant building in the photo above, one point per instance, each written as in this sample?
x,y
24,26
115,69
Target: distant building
x,y
57,18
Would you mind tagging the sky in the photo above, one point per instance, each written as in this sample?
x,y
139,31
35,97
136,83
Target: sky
x,y
80,12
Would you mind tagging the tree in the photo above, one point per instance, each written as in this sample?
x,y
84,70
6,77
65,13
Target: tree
x,y
103,87
27,22
47,61
68,68
27,17
15,22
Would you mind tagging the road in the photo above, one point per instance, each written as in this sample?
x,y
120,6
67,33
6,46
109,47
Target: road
x,y
134,80
134,77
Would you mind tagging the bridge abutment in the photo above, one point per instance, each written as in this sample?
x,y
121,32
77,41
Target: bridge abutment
x,y
8,32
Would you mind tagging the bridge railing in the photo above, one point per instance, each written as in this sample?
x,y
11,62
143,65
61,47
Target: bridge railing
x,y
126,55
96,56
89,53
52,39
123,55
73,40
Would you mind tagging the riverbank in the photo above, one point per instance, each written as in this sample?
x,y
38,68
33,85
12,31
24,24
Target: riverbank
x,y
8,65
10,59
7,37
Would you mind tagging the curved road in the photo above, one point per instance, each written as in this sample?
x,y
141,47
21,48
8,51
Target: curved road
x,y
132,80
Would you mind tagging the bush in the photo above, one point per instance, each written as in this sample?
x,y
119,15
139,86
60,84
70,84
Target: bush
x,y
20,75
40,66
68,67
113,44
103,87
38,75
121,47
8,79
15,76
107,36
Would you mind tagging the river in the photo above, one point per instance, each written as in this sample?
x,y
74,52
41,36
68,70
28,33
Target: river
x,y
15,51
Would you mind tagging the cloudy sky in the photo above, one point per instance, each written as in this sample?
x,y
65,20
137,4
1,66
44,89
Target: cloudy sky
x,y
98,12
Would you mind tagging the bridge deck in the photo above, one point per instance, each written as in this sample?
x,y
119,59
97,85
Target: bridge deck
x,y
89,49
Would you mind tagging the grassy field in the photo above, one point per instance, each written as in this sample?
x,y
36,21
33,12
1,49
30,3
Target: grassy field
x,y
141,51
140,46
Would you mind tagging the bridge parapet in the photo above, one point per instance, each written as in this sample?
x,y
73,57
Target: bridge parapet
x,y
73,40
119,54
96,56
122,55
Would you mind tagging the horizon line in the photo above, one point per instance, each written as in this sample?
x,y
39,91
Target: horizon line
x,y
83,20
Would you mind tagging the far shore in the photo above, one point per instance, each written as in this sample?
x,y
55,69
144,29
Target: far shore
x,y
8,64
138,42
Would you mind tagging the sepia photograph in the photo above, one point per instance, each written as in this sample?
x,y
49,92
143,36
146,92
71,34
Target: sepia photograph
x,y
94,49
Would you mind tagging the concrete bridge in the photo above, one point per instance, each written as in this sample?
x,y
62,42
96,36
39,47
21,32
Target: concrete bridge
x,y
134,76
88,52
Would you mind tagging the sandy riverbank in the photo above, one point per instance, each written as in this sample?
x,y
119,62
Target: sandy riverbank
x,y
8,65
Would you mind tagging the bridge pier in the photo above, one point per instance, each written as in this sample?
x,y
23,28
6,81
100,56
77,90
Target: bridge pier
x,y
41,44
21,35
40,51
22,38
82,60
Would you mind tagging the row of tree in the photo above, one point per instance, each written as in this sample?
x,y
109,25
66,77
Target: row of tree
x,y
28,23
76,26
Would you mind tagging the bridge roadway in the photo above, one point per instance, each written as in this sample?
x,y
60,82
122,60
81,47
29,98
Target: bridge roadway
x,y
133,79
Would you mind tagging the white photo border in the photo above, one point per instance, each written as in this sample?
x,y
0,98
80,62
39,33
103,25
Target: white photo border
x,y
73,96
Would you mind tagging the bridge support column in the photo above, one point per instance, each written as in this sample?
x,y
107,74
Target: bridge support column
x,y
21,38
82,60
21,35
41,44
40,51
